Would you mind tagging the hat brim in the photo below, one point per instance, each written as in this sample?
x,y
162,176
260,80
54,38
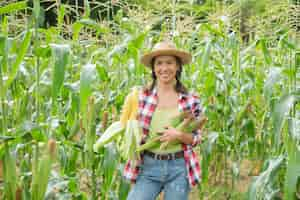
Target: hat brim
x,y
184,56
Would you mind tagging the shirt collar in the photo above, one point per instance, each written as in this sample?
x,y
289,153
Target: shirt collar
x,y
154,94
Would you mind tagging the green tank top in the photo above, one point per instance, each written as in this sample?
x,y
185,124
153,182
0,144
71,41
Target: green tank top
x,y
161,118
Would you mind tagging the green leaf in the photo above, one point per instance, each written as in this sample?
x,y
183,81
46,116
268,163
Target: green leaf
x,y
87,23
102,72
87,78
109,167
9,173
274,75
282,108
205,57
76,30
262,186
60,54
293,161
206,149
13,7
266,52
15,67
36,10
40,178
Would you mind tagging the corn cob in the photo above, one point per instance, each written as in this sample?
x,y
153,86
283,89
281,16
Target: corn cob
x,y
175,121
134,104
130,107
187,126
154,141
126,110
184,122
127,127
184,127
111,133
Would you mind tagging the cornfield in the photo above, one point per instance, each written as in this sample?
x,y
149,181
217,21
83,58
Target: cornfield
x,y
66,68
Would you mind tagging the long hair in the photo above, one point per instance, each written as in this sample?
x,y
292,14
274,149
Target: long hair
x,y
179,87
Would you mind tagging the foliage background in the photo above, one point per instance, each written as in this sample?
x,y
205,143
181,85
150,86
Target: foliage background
x,y
66,67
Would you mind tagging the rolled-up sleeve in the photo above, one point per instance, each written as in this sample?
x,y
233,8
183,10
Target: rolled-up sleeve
x,y
197,111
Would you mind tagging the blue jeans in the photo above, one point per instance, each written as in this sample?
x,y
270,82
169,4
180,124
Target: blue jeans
x,y
155,176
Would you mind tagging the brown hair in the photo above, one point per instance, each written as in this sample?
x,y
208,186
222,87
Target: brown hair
x,y
179,87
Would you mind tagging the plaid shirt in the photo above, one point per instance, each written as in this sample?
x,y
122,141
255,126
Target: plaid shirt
x,y
147,105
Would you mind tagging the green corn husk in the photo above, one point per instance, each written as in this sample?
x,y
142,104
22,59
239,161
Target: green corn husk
x,y
184,125
187,126
178,120
111,133
151,143
128,138
131,140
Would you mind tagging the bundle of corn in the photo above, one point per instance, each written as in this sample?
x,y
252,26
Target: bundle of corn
x,y
187,126
153,141
184,122
127,128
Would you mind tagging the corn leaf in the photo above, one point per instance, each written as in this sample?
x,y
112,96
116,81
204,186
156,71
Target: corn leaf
x,y
87,78
60,56
15,67
109,166
266,52
293,160
206,55
262,186
274,76
282,108
207,149
9,173
13,7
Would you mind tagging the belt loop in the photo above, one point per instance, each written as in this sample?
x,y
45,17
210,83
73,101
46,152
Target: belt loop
x,y
156,157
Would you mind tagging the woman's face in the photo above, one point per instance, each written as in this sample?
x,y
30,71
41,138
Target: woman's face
x,y
165,68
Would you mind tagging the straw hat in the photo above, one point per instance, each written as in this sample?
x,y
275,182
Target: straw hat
x,y
165,48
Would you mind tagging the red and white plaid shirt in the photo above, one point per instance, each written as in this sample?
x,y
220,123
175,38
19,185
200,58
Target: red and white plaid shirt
x,y
147,105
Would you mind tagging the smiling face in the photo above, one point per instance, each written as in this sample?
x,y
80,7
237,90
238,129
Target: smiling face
x,y
165,68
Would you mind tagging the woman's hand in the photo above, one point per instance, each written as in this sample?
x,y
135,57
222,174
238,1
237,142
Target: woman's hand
x,y
170,134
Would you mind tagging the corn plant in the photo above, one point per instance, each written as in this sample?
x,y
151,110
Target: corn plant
x,y
41,171
69,82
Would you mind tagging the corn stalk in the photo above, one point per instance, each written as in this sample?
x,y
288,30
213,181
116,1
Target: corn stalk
x,y
41,173
9,173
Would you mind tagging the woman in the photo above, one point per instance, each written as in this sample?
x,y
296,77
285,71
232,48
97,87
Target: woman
x,y
173,170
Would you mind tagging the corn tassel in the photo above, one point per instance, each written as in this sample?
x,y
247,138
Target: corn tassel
x,y
104,119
